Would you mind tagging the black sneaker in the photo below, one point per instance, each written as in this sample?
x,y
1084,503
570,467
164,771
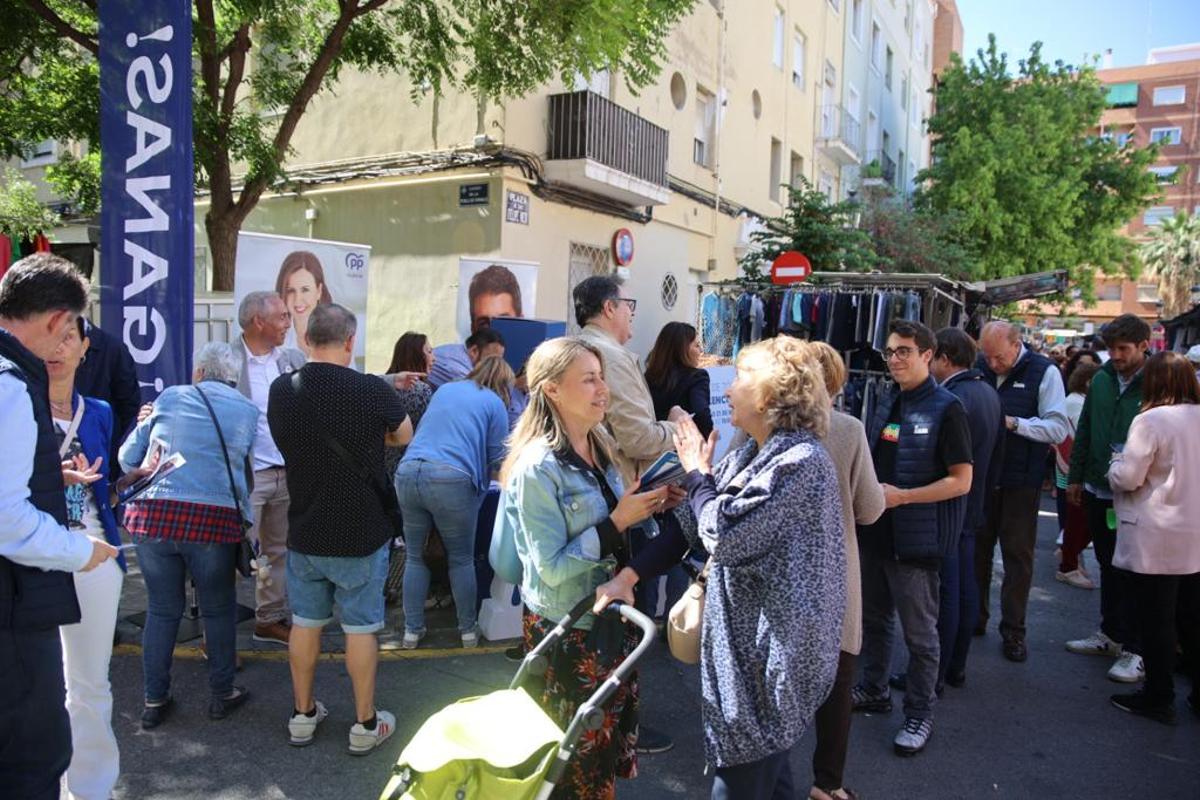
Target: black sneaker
x,y
1139,703
222,707
957,679
516,653
863,699
155,715
652,741
899,681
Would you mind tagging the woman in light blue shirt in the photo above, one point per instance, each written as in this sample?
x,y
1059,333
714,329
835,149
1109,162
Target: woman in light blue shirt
x,y
560,508
441,483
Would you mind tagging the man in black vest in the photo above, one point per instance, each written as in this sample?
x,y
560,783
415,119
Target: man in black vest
x,y
40,298
921,445
953,367
1033,400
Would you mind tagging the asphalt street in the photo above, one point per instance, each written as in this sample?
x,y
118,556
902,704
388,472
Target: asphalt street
x,y
1043,729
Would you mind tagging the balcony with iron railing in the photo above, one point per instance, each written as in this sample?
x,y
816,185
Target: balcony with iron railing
x,y
879,165
838,135
597,145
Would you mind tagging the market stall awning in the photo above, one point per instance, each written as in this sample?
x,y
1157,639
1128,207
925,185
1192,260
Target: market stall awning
x,y
1022,287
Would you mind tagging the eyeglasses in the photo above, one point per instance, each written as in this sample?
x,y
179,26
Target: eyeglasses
x,y
904,353
632,303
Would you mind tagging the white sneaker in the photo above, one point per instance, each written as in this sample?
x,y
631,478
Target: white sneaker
x,y
1095,645
1128,669
470,639
1076,578
302,728
913,737
411,640
363,741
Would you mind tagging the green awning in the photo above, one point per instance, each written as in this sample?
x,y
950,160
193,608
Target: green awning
x,y
1122,95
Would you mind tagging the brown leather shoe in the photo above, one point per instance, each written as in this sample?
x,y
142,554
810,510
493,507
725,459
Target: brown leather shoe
x,y
1015,650
272,633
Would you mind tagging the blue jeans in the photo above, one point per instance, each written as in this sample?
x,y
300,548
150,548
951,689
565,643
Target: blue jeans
x,y
164,564
958,608
434,495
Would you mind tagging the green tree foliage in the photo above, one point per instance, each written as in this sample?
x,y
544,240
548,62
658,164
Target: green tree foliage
x,y
1016,157
908,239
21,215
253,55
819,228
1172,254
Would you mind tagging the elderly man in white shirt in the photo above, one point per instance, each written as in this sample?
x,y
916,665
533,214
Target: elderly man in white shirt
x,y
1033,400
265,322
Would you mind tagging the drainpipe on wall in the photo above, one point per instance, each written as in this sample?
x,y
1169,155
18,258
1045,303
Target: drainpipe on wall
x,y
720,112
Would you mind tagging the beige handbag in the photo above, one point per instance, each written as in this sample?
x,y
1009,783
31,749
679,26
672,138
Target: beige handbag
x,y
686,620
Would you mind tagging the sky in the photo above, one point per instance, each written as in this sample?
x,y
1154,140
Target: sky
x,y
1069,29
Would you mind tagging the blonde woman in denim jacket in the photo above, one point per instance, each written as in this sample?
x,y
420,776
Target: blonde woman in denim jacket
x,y
564,507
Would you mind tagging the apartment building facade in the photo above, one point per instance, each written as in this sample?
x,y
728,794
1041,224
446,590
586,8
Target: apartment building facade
x,y
888,67
1155,102
752,96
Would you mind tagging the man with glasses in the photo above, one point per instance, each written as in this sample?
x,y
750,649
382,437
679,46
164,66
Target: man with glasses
x,y
606,315
1034,405
921,445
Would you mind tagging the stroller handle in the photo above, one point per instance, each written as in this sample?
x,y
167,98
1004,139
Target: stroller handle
x,y
536,660
590,714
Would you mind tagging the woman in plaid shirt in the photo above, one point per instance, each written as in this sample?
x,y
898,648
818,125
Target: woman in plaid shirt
x,y
190,522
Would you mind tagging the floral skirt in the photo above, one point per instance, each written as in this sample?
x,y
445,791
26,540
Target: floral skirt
x,y
575,671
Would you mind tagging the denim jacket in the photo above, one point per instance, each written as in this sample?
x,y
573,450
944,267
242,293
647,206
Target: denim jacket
x,y
552,508
180,419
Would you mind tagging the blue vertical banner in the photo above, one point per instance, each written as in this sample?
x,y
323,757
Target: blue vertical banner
x,y
146,234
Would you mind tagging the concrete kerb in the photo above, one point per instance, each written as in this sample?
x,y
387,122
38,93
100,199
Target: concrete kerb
x,y
386,653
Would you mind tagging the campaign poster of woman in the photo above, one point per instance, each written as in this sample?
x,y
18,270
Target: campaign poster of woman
x,y
305,273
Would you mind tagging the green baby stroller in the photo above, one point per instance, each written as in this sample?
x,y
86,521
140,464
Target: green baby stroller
x,y
503,746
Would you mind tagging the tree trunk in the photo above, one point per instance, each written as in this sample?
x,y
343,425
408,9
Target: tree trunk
x,y
222,247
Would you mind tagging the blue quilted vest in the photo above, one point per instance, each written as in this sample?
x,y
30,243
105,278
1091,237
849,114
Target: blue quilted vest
x,y
1024,461
31,598
920,530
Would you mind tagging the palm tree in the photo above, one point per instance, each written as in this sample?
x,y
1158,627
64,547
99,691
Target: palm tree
x,y
1173,254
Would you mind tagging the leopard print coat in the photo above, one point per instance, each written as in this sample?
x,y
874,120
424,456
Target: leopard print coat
x,y
776,594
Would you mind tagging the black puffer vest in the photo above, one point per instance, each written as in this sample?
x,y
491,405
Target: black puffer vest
x,y
920,530
1024,459
32,598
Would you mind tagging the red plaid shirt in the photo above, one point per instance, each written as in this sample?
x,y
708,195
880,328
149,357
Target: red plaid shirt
x,y
176,520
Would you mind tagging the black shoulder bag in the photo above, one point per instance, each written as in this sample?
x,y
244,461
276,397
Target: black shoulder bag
x,y
245,555
386,495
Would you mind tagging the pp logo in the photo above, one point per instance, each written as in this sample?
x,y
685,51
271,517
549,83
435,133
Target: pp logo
x,y
356,261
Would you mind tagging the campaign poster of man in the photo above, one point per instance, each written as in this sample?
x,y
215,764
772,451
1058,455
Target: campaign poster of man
x,y
489,288
305,273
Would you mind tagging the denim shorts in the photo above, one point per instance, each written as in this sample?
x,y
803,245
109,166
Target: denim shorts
x,y
315,583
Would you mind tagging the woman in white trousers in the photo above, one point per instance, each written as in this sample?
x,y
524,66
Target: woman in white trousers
x,y
85,430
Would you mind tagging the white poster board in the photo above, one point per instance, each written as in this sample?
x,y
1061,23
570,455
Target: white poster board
x,y
497,288
719,379
305,273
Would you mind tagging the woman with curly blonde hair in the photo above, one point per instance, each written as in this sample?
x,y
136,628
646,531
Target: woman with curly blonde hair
x,y
769,514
